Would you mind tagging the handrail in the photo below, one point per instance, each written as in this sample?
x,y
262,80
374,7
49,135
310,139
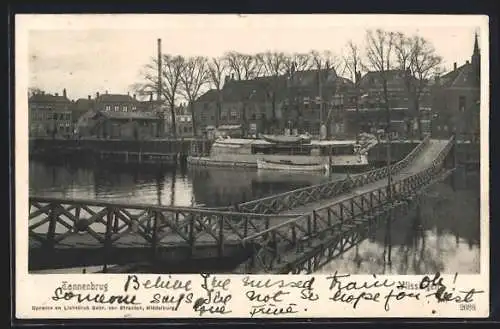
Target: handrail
x,y
372,175
142,206
429,168
374,172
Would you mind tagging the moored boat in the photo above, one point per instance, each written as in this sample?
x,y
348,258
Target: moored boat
x,y
288,165
283,139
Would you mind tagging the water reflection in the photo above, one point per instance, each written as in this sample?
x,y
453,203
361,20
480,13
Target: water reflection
x,y
441,234
210,187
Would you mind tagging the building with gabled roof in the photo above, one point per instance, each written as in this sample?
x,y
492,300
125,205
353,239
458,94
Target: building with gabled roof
x,y
288,100
50,115
455,100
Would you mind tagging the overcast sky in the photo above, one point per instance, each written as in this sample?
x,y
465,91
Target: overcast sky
x,y
90,53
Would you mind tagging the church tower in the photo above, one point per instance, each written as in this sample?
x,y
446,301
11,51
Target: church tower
x,y
476,56
476,60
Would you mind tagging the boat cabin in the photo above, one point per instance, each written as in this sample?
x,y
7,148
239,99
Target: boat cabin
x,y
257,146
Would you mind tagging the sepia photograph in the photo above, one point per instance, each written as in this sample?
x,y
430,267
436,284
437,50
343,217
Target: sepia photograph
x,y
254,145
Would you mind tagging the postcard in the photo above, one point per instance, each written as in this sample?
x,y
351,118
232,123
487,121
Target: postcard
x,y
251,166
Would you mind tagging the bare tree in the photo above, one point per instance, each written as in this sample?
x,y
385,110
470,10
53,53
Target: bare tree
x,y
298,61
217,70
243,66
424,64
193,78
325,63
33,91
353,64
404,55
380,58
274,67
171,70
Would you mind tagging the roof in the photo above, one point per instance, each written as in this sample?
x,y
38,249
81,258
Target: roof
x,y
209,96
48,98
244,141
260,88
84,104
464,76
373,79
129,115
115,98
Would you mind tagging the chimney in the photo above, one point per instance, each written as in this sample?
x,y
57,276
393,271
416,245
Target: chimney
x,y
97,95
106,92
232,76
90,97
64,93
467,62
135,97
57,94
226,78
159,71
455,66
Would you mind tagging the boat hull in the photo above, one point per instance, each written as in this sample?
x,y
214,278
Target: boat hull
x,y
268,165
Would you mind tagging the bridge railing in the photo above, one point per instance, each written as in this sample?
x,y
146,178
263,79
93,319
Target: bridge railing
x,y
302,196
53,221
338,218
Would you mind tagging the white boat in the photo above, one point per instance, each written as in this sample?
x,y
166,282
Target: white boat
x,y
340,155
288,165
283,139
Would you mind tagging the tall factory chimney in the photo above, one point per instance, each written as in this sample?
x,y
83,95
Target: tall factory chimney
x,y
159,71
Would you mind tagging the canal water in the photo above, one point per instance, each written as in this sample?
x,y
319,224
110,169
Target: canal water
x,y
442,234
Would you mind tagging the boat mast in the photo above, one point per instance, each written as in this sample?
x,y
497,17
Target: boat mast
x,y
320,94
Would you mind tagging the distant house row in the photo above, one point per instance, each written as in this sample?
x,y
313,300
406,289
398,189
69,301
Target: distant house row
x,y
305,100
104,116
318,102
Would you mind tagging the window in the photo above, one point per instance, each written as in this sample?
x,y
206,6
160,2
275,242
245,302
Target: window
x,y
107,108
125,108
445,128
461,103
133,108
117,108
234,115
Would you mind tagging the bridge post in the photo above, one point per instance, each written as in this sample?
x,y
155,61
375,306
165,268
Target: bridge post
x,y
154,238
221,236
107,237
191,235
309,230
51,232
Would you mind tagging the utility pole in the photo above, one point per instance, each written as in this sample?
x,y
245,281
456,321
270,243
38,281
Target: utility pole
x,y
159,71
389,173
320,94
159,90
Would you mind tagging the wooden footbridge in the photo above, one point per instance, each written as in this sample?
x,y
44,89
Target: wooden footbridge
x,y
292,232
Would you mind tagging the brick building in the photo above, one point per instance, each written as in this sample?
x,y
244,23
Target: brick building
x,y
264,104
50,115
371,114
126,125
119,116
455,101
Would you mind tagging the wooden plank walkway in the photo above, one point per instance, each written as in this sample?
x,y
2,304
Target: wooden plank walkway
x,y
422,161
